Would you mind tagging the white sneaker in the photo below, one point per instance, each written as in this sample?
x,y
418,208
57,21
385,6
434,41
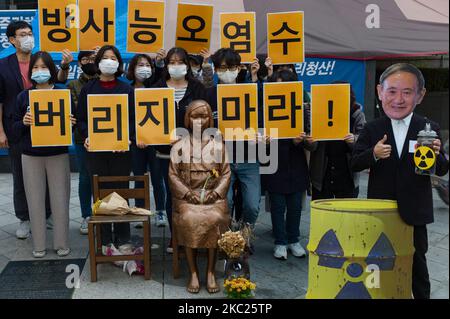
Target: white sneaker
x,y
63,252
297,250
84,226
39,254
50,223
23,232
280,252
161,219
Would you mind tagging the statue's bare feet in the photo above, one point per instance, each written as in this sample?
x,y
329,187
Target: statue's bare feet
x,y
194,284
211,284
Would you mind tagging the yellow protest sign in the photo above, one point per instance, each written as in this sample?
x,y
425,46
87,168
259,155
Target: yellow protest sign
x,y
108,122
57,28
145,26
237,108
155,116
285,37
238,32
283,109
194,25
97,23
50,110
330,111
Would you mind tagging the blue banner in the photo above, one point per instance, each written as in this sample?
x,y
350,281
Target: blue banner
x,y
6,17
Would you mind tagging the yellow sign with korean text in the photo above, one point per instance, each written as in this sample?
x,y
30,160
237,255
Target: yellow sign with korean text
x,y
155,116
97,23
283,109
237,108
57,25
238,32
330,111
108,128
145,31
50,110
285,37
194,25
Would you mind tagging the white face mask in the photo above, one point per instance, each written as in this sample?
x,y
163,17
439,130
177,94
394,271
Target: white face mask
x,y
142,73
26,43
108,66
228,77
177,72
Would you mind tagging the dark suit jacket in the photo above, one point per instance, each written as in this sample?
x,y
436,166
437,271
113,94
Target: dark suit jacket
x,y
10,86
395,178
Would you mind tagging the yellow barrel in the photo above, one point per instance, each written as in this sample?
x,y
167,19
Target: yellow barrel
x,y
359,249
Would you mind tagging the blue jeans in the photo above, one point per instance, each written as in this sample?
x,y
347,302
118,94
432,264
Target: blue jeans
x,y
286,231
143,159
164,165
84,182
250,182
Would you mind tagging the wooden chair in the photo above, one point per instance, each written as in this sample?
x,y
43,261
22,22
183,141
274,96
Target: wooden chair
x,y
95,222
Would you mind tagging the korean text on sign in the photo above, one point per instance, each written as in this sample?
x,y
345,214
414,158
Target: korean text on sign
x,y
194,25
237,108
145,26
97,23
50,110
238,32
285,37
57,25
108,122
283,109
330,111
155,116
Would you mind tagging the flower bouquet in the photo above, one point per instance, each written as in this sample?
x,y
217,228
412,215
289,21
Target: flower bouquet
x,y
239,288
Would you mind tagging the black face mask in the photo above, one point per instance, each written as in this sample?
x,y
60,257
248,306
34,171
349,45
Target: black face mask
x,y
89,69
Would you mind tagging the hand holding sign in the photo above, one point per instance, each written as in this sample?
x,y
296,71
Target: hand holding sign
x,y
28,119
381,150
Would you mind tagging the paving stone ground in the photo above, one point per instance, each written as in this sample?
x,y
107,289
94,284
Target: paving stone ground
x,y
275,279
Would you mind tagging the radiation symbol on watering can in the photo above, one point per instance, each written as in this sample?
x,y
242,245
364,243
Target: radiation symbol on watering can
x,y
331,255
424,157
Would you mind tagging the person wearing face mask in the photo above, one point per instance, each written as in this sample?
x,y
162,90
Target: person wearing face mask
x,y
177,75
142,72
109,64
86,63
13,80
202,68
43,165
227,65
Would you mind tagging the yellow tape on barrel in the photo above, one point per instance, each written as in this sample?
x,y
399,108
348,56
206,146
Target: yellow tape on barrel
x,y
359,249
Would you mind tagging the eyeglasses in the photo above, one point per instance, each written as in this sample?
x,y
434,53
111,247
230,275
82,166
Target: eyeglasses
x,y
24,34
224,68
87,60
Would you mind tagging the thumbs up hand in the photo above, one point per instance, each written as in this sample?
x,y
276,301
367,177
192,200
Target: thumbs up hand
x,y
381,150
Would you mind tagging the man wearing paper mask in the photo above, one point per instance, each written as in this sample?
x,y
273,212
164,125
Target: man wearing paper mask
x,y
13,80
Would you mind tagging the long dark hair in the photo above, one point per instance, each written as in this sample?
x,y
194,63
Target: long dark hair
x,y
48,61
116,51
184,56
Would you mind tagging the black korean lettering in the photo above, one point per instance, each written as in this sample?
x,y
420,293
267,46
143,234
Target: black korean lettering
x,y
97,120
188,26
119,122
248,110
149,114
280,106
91,23
285,42
237,108
51,114
54,19
232,31
144,36
294,109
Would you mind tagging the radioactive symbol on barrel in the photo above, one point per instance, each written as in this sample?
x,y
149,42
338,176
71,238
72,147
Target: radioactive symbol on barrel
x,y
424,157
331,255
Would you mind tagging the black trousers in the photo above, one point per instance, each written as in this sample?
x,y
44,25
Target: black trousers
x,y
420,277
112,164
327,193
19,197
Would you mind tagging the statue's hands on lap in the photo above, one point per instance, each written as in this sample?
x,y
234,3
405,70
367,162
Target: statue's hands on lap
x,y
192,198
211,197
